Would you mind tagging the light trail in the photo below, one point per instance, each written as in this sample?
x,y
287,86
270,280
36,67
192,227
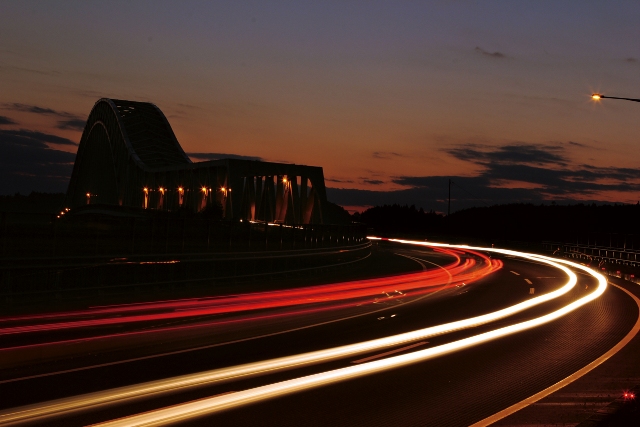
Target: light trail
x,y
417,283
228,299
212,405
155,388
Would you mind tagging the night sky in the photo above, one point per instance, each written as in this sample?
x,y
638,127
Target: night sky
x,y
393,98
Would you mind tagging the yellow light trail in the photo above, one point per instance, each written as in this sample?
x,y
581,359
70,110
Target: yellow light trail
x,y
39,411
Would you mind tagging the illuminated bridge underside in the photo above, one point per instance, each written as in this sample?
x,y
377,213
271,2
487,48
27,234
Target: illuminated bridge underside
x,y
129,156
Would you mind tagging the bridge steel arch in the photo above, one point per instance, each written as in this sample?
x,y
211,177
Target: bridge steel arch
x,y
129,156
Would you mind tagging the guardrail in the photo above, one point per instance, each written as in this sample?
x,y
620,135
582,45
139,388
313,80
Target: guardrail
x,y
599,254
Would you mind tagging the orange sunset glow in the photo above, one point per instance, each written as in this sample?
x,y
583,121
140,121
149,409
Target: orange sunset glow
x,y
391,100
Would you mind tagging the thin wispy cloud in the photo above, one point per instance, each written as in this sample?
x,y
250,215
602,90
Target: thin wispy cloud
x,y
386,155
578,144
511,154
71,124
33,138
4,120
372,181
338,180
35,109
496,55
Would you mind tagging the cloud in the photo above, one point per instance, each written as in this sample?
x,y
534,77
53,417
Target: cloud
x,y
4,120
338,180
28,164
372,181
385,155
31,70
512,173
33,138
39,110
218,156
578,144
510,154
497,55
431,192
632,60
72,124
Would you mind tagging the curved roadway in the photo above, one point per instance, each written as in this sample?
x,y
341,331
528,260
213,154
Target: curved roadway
x,y
457,389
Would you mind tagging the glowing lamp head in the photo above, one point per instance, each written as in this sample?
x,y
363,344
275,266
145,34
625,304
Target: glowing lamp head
x,y
596,96
204,189
180,189
145,189
88,195
284,180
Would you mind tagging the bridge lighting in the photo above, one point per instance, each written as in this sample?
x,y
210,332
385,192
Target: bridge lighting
x,y
284,180
180,196
161,189
596,96
88,198
146,190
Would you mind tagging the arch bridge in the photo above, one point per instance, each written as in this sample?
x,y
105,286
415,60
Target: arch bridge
x,y
129,156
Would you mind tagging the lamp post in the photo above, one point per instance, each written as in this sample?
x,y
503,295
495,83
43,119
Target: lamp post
x,y
598,96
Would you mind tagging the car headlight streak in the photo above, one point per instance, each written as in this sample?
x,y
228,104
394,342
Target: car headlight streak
x,y
227,401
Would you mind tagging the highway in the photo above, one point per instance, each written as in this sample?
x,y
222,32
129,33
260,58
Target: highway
x,y
455,340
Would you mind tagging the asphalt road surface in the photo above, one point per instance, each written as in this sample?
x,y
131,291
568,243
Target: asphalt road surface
x,y
456,389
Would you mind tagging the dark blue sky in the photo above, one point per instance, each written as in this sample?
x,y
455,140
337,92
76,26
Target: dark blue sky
x,y
391,98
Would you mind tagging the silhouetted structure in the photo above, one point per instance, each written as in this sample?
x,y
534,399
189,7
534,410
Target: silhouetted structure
x,y
129,156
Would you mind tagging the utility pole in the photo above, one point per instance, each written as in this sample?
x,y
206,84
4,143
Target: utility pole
x,y
449,205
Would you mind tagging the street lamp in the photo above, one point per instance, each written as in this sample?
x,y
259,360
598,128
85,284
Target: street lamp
x,y
598,97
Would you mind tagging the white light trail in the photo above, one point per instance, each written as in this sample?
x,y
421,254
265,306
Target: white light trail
x,y
219,403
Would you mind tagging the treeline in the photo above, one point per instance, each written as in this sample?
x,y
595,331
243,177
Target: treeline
x,y
401,219
525,222
33,203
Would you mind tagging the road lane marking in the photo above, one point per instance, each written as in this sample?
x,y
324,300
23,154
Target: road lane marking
x,y
528,281
517,274
388,353
571,378
583,404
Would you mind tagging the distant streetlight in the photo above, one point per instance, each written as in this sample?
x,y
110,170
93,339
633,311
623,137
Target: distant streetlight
x,y
598,97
